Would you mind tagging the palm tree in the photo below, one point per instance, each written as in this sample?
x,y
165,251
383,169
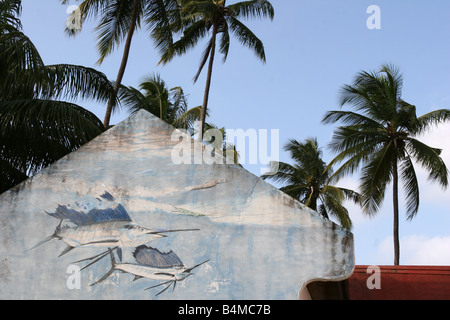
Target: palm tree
x,y
169,105
119,21
380,135
197,19
307,181
36,127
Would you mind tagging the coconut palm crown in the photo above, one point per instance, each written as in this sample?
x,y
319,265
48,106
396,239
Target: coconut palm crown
x,y
196,20
380,135
307,180
39,119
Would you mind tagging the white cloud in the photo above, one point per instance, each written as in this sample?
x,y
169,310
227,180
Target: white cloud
x,y
422,250
416,250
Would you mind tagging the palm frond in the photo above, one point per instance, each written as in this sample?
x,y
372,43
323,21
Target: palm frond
x,y
350,140
374,93
252,9
405,117
411,187
231,154
10,10
206,54
179,99
86,10
246,37
375,176
305,153
35,128
133,99
350,165
224,47
350,118
9,175
35,133
332,199
354,147
154,97
307,181
163,18
349,194
286,173
18,52
430,119
91,8
187,119
72,82
114,25
190,38
206,9
430,159
392,81
297,191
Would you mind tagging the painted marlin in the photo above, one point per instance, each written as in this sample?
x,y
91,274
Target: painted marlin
x,y
106,228
153,264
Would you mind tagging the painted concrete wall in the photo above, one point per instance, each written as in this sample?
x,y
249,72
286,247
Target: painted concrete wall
x,y
249,239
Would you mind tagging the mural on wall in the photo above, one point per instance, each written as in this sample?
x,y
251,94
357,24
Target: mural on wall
x,y
120,209
113,229
153,264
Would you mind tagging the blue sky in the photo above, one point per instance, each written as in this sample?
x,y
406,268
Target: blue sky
x,y
313,47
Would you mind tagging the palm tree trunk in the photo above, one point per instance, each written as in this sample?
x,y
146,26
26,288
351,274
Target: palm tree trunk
x,y
123,65
396,220
312,199
208,84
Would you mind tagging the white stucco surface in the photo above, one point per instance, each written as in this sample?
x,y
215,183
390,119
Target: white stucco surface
x,y
258,242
